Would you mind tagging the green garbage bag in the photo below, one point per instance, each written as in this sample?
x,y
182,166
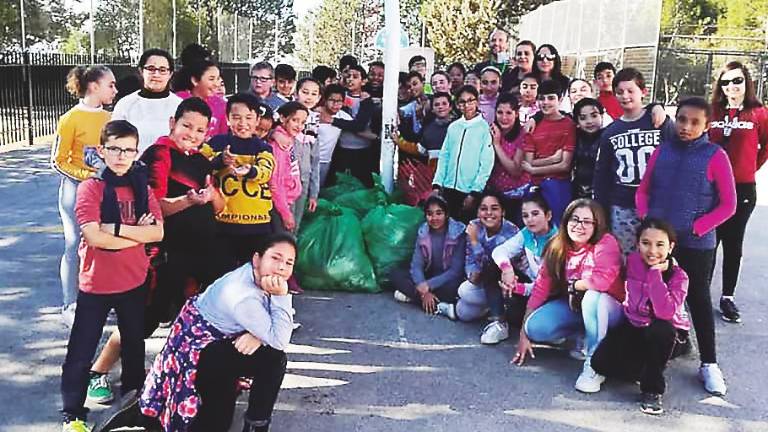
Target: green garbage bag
x,y
390,234
332,254
345,183
362,201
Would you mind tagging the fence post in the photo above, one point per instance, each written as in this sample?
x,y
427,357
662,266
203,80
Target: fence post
x,y
28,88
708,86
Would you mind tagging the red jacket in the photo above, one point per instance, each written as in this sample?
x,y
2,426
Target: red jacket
x,y
747,145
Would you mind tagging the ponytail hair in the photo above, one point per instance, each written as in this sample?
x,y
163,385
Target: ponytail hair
x,y
79,77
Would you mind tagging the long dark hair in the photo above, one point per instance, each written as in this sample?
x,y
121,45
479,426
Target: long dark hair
x,y
511,100
556,252
557,72
720,101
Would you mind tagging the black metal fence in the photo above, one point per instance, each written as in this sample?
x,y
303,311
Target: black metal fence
x,y
33,97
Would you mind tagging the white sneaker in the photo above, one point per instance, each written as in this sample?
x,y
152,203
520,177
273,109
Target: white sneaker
x,y
402,298
712,377
494,333
589,381
447,310
68,314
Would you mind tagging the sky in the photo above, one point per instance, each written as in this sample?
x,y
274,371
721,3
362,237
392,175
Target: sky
x,y
302,6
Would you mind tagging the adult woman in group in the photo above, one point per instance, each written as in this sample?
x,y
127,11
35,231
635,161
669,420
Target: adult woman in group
x,y
740,125
78,129
151,107
548,66
579,288
202,80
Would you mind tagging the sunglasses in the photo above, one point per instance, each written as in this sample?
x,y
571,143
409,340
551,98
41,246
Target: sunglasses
x,y
735,81
542,57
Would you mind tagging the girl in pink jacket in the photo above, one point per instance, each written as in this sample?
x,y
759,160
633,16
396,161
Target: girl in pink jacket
x,y
285,183
656,322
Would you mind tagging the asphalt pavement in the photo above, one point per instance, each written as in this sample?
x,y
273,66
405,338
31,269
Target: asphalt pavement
x,y
366,363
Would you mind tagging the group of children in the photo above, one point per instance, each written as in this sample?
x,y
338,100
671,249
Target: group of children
x,y
180,207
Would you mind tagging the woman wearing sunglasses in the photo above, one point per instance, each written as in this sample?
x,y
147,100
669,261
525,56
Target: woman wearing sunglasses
x,y
740,125
548,66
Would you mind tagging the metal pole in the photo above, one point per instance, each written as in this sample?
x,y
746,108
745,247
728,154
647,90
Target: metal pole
x,y
389,103
250,38
23,26
173,49
277,19
199,39
234,48
141,26
93,34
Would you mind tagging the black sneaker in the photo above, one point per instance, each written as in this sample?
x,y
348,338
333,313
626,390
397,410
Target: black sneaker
x,y
729,311
651,404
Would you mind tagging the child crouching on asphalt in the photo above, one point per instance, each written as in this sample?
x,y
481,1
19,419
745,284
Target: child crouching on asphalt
x,y
117,215
519,258
639,348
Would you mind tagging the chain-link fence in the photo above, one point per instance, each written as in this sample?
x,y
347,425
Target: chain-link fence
x,y
686,72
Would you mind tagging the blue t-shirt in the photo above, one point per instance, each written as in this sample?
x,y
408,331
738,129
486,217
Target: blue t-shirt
x,y
625,149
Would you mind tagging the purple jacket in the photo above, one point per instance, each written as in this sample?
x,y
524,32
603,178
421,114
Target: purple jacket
x,y
649,297
453,262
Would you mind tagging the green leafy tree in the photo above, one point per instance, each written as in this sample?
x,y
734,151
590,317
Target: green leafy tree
x,y
45,22
745,19
458,29
326,32
274,25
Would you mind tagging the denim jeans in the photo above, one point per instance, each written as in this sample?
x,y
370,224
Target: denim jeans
x,y
555,320
557,193
70,262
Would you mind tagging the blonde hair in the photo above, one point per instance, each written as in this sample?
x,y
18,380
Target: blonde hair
x,y
79,77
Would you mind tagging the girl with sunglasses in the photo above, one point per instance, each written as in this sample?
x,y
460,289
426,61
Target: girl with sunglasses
x,y
740,125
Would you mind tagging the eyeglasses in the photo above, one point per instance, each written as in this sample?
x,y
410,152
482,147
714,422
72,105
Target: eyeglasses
x,y
117,151
735,81
462,102
542,57
585,223
261,78
159,70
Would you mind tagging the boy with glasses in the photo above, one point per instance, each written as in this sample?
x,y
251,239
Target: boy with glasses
x,y
262,81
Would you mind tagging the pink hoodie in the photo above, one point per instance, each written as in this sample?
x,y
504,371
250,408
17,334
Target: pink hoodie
x,y
285,183
600,264
648,296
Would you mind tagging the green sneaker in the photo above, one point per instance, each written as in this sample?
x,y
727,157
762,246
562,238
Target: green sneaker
x,y
100,390
75,426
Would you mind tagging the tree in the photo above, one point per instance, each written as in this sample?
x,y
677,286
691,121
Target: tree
x,y
274,25
116,27
326,32
745,19
458,29
689,17
45,22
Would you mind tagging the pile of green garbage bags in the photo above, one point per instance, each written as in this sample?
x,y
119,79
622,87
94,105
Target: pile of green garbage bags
x,y
355,238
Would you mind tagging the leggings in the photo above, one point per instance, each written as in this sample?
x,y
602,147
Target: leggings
x,y
698,264
731,235
70,262
637,353
220,367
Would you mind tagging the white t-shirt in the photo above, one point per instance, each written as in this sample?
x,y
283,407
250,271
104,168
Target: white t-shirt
x,y
328,137
150,116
